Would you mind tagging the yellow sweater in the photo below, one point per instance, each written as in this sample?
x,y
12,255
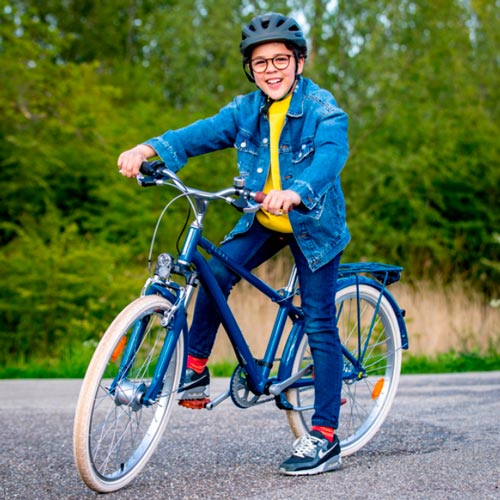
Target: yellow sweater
x,y
277,114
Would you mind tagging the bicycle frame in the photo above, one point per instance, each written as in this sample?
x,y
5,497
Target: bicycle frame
x,y
257,371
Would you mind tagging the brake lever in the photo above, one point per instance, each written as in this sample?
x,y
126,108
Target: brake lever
x,y
243,202
259,197
145,181
255,207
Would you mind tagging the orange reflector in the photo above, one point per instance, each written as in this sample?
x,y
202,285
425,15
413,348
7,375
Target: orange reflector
x,y
118,349
378,388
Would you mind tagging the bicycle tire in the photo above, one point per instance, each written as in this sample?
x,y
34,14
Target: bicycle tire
x,y
114,435
368,399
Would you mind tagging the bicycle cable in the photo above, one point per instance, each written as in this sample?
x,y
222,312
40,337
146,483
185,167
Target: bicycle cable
x,y
167,206
191,208
181,232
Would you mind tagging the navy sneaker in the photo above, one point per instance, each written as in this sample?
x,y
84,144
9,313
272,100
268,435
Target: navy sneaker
x,y
196,389
312,454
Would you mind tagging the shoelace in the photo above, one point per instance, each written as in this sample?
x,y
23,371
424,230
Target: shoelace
x,y
305,446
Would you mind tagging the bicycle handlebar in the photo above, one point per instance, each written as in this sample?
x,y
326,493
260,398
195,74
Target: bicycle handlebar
x,y
156,173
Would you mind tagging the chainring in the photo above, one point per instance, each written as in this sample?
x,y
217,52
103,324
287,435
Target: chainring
x,y
241,395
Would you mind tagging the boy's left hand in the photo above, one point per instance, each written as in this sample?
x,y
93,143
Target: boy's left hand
x,y
279,202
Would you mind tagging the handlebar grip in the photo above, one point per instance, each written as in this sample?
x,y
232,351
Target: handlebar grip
x,y
259,196
147,168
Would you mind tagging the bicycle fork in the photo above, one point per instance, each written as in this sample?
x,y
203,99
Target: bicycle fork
x,y
127,392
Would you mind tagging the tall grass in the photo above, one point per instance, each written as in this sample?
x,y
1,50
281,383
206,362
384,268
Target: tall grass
x,y
450,328
448,318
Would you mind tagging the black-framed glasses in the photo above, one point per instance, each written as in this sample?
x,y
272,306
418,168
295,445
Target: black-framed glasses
x,y
280,61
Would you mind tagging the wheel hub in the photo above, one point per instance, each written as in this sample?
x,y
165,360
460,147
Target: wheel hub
x,y
130,394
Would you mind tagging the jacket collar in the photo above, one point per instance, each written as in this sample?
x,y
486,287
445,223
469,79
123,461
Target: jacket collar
x,y
296,108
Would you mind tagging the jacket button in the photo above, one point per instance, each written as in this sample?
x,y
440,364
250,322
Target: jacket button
x,y
260,170
243,144
265,140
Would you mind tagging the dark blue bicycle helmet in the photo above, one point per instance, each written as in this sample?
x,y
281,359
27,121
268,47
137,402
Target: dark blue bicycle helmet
x,y
272,27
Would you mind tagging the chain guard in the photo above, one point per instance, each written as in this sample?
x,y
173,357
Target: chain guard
x,y
241,395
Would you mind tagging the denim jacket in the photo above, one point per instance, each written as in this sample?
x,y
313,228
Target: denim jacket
x,y
313,149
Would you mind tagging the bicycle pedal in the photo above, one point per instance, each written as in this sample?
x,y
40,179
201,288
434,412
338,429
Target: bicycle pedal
x,y
194,404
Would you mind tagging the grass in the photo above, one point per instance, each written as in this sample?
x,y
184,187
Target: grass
x,y
71,364
451,362
448,362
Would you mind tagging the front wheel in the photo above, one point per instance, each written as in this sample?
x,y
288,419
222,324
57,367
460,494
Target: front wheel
x,y
115,431
371,339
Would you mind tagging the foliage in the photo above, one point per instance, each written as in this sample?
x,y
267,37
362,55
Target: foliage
x,y
422,180
82,81
50,299
452,362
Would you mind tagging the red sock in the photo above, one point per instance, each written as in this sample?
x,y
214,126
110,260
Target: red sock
x,y
196,364
327,432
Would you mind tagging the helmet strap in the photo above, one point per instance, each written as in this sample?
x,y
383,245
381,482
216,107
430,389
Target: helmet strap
x,y
270,101
248,73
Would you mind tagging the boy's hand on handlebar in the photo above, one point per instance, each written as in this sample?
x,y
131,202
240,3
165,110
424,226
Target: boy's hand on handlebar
x,y
281,202
129,162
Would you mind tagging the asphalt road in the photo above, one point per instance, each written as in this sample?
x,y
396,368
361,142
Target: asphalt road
x,y
440,441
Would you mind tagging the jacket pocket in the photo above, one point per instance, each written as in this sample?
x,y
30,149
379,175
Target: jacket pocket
x,y
248,154
305,150
245,144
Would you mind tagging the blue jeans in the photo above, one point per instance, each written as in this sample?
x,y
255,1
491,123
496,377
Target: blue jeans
x,y
317,291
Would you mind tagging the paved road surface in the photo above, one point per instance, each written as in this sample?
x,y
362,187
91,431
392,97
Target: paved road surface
x,y
441,441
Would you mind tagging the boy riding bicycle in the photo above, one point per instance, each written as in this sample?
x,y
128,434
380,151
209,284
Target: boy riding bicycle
x,y
291,139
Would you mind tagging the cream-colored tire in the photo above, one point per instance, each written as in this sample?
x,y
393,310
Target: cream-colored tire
x,y
115,431
371,332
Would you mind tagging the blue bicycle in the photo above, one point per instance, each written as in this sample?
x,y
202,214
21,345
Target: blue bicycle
x,y
137,369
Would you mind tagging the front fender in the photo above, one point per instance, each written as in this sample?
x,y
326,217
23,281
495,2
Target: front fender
x,y
158,289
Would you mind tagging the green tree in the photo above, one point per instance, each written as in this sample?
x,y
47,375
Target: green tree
x,y
422,179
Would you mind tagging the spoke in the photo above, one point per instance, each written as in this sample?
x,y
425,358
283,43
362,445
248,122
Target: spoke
x,y
108,436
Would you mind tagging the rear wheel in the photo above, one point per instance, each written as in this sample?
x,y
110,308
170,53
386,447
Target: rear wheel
x,y
369,331
115,432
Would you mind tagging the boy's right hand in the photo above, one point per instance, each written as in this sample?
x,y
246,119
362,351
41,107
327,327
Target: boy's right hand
x,y
129,162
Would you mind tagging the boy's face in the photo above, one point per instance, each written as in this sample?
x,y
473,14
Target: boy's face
x,y
275,83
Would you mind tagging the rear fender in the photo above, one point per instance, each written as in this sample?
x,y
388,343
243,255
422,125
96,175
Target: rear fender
x,y
400,313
